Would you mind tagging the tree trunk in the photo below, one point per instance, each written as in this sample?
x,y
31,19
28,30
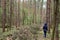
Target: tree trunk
x,y
11,12
57,20
48,14
23,12
41,9
0,3
4,14
55,30
34,13
18,12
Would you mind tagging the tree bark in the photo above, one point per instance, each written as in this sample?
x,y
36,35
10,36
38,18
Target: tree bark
x,y
11,12
4,14
48,14
18,12
34,13
55,35
41,9
23,12
57,20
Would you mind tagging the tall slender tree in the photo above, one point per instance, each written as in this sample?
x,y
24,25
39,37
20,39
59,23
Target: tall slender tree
x,y
48,14
18,12
30,2
11,12
57,20
34,13
23,12
55,35
3,14
15,12
0,3
28,14
41,8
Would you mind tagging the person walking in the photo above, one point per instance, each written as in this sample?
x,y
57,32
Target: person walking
x,y
45,29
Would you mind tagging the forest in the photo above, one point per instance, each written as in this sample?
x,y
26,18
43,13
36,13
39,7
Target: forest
x,y
25,19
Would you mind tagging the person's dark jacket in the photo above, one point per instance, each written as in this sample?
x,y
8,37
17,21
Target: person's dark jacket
x,y
45,27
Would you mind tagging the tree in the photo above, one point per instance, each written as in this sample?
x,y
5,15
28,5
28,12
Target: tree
x,y
18,13
57,20
34,15
30,1
0,3
3,14
48,14
55,30
41,9
23,12
11,12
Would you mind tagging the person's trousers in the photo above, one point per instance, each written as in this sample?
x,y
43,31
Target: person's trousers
x,y
45,34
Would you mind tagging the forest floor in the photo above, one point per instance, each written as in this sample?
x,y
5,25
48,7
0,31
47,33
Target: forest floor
x,y
40,36
49,36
